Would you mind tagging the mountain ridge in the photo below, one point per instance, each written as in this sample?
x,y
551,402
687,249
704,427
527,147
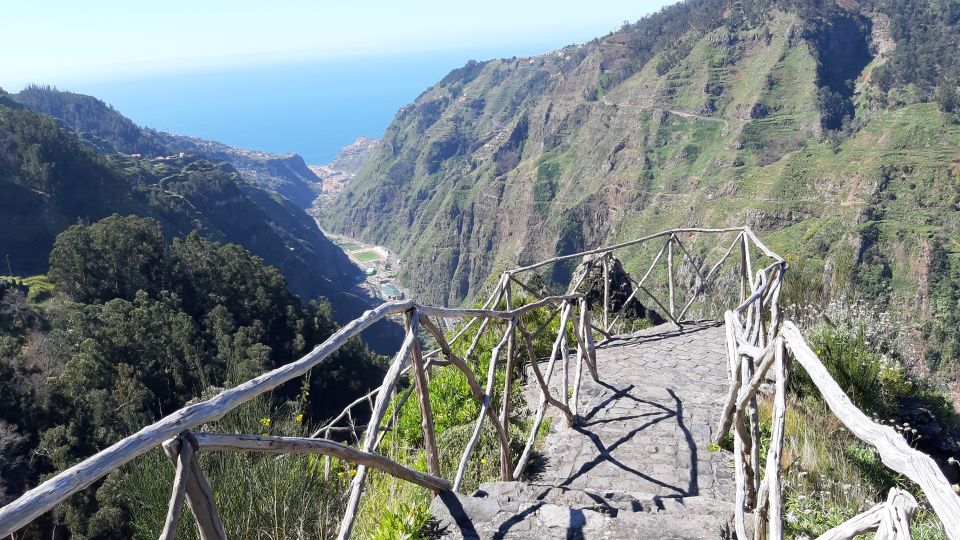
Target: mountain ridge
x,y
52,178
827,127
107,130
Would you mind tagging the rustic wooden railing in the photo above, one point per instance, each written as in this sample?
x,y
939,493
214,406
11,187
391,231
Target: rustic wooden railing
x,y
674,283
755,344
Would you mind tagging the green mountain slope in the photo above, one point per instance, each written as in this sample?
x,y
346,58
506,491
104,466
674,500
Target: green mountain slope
x,y
50,179
109,131
811,122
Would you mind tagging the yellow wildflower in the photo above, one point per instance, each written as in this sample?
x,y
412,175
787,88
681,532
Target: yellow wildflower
x,y
353,472
340,474
483,461
265,422
300,418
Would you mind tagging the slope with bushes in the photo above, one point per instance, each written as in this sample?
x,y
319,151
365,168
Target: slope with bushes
x,y
828,127
109,131
138,325
51,179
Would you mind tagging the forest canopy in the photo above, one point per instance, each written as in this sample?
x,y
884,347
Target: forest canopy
x,y
138,327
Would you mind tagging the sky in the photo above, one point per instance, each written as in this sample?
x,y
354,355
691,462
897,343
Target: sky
x,y
174,65
67,40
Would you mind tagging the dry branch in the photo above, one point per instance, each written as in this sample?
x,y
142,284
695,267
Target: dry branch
x,y
184,458
211,442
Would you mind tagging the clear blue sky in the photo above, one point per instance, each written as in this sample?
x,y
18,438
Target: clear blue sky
x,y
68,41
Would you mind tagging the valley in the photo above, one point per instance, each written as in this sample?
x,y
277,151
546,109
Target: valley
x,y
379,266
778,181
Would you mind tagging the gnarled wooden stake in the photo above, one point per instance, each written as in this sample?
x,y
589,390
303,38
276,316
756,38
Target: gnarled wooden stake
x,y
484,407
199,495
376,416
184,458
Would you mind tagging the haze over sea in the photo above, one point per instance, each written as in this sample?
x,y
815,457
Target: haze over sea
x,y
313,108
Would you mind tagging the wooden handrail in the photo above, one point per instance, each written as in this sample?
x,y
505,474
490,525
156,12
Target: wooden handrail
x,y
52,492
191,484
894,450
210,442
751,352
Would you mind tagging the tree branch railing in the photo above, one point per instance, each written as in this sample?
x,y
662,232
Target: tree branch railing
x,y
678,271
756,345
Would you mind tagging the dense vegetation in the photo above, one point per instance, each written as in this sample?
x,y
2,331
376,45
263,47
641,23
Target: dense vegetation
x,y
51,178
107,130
830,475
138,326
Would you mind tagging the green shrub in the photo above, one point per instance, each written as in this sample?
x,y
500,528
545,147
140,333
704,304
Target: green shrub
x,y
39,288
405,522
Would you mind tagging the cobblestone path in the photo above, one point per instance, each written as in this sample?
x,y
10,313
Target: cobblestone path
x,y
637,466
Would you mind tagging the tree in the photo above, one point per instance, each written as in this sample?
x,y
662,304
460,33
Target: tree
x,y
113,258
946,96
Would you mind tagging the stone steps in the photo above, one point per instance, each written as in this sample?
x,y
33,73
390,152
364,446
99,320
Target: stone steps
x,y
637,465
515,510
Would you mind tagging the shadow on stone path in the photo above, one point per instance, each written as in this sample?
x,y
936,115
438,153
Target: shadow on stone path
x,y
636,466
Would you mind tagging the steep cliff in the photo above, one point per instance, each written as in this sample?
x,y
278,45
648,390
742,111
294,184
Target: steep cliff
x,y
831,128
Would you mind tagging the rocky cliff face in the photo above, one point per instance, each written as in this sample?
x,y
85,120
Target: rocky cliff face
x,y
761,113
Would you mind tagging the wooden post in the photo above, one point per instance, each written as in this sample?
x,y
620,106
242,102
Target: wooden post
x,y
774,326
760,512
565,354
484,407
376,416
774,455
749,444
606,292
578,373
545,396
587,339
483,324
507,382
726,417
544,382
754,416
326,459
199,494
740,474
426,413
184,457
744,287
673,310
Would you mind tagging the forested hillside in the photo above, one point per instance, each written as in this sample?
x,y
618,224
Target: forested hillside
x,y
51,179
131,325
829,127
109,131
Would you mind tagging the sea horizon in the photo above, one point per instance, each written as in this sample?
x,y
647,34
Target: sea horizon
x,y
309,107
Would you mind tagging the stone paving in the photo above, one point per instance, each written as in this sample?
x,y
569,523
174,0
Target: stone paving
x,y
637,466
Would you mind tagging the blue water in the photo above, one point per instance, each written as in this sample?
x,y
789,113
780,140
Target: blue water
x,y
311,108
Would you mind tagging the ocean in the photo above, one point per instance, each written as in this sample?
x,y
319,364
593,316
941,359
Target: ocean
x,y
311,108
